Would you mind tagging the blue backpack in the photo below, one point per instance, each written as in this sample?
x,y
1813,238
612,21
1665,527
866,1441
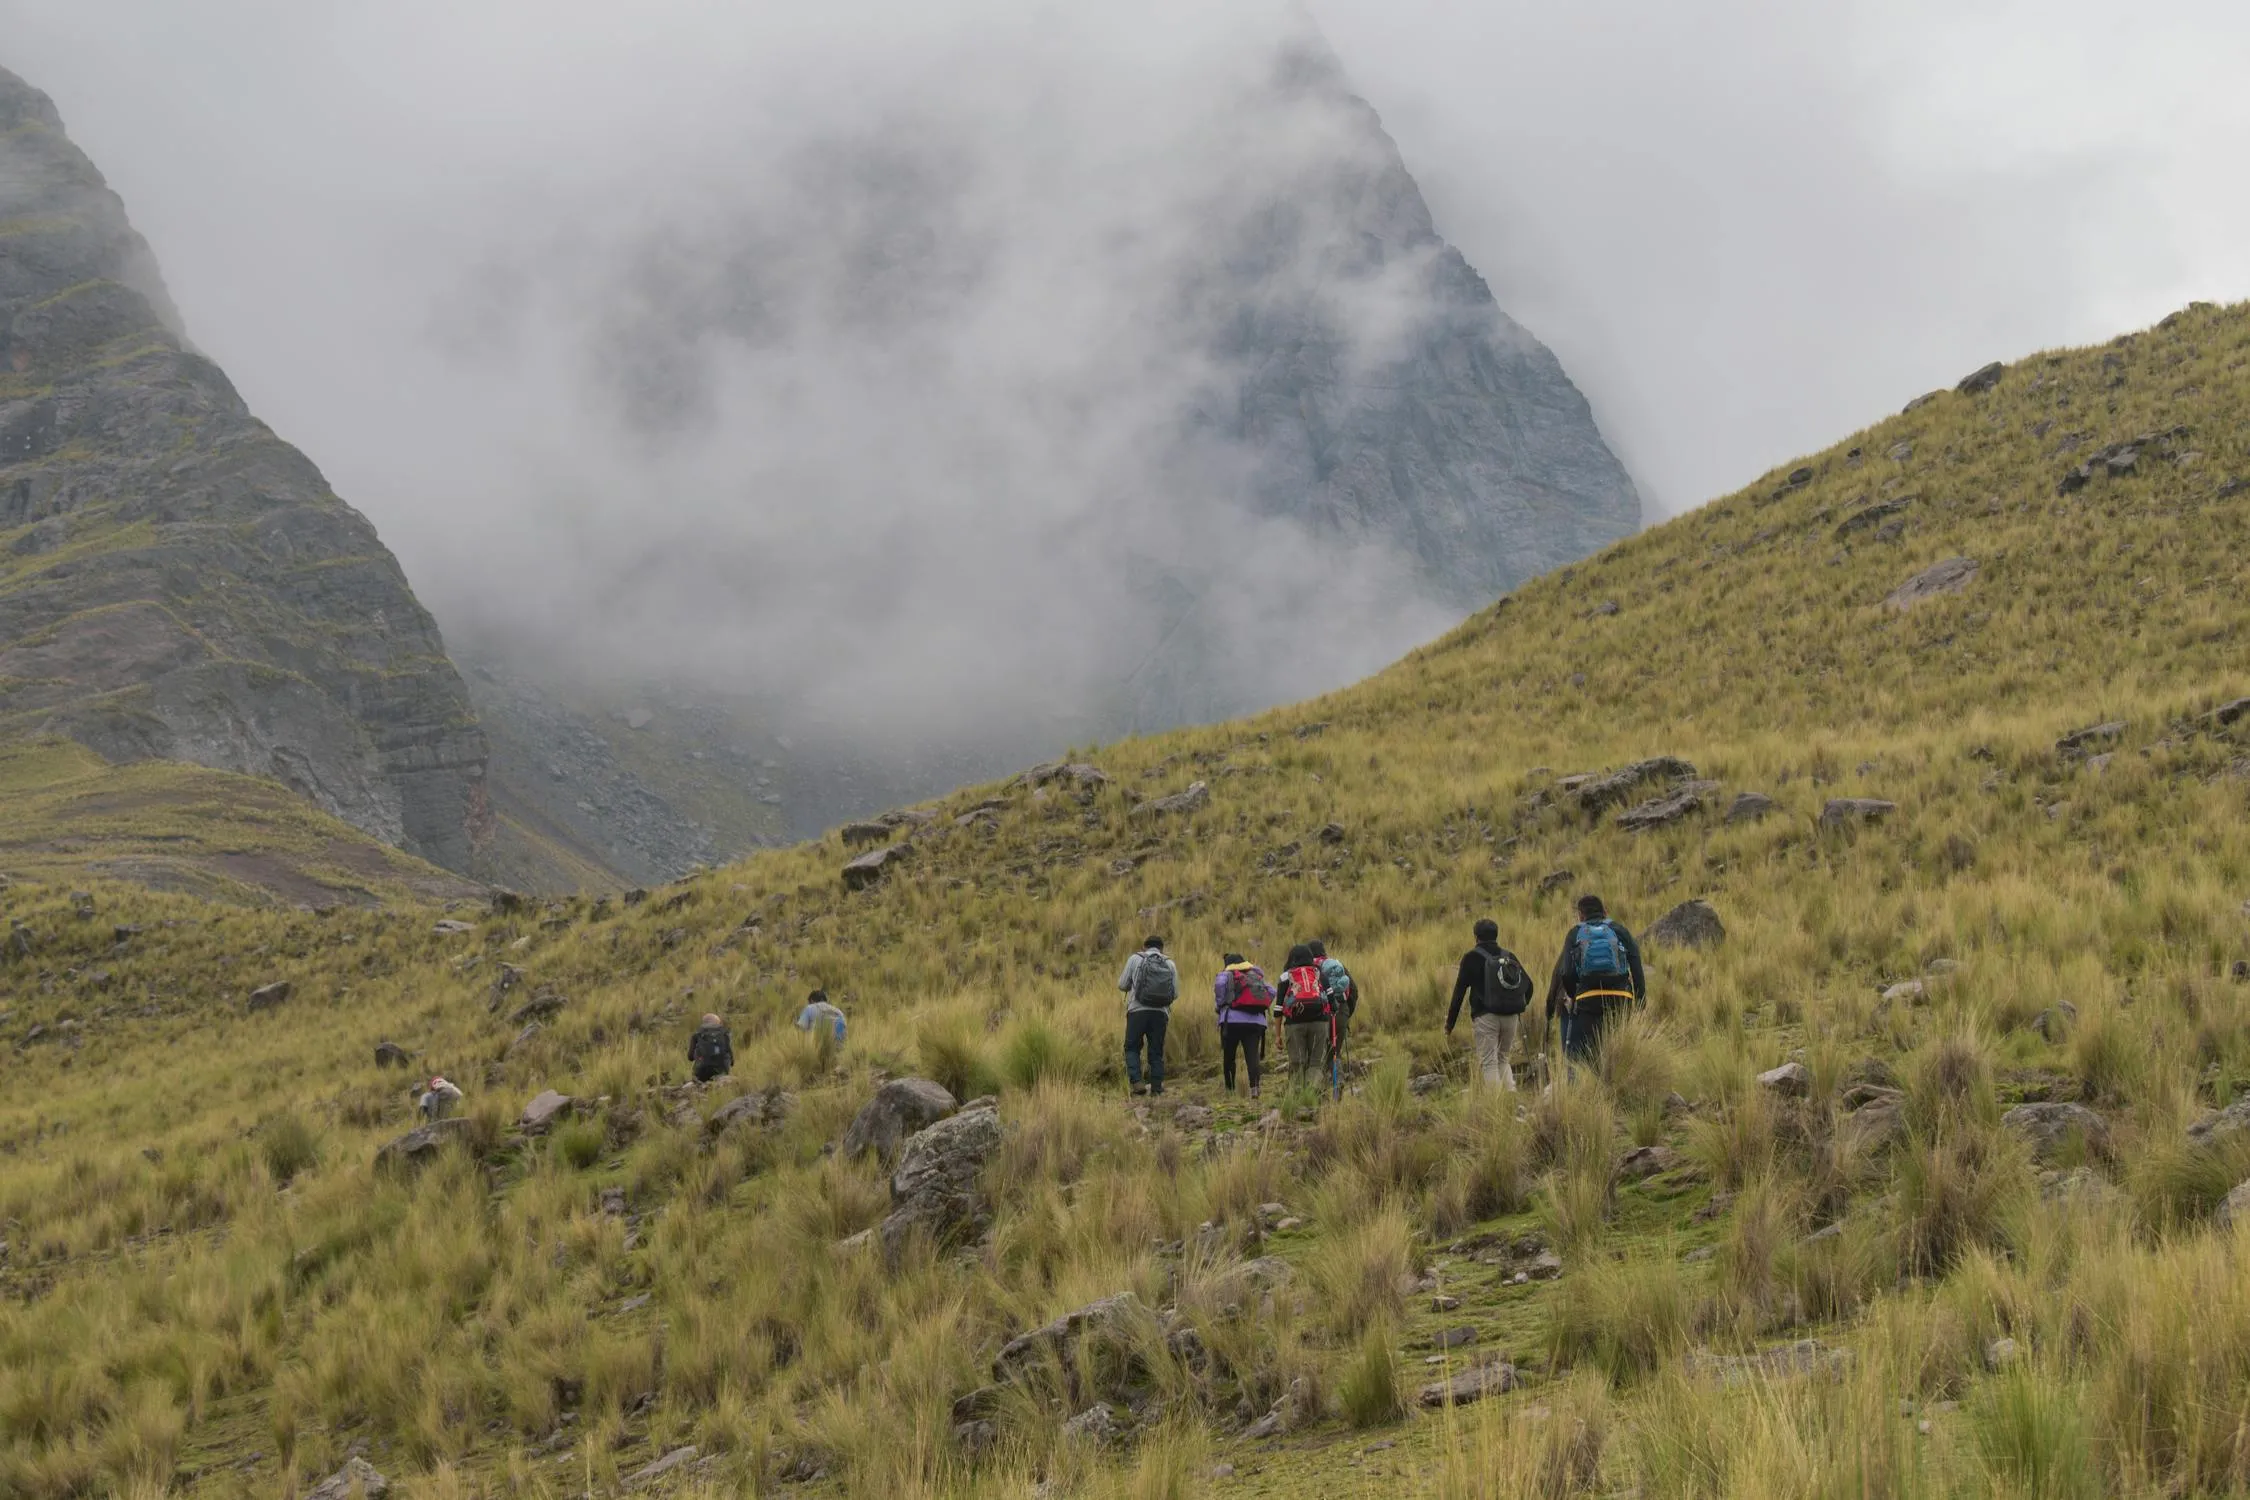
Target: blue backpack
x,y
1601,954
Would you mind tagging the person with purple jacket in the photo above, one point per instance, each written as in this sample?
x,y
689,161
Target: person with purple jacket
x,y
1242,997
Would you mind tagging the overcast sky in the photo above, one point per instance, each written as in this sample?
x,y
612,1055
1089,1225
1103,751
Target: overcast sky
x,y
1747,226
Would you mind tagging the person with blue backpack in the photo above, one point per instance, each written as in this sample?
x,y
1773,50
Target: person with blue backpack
x,y
1343,1003
1597,975
1151,983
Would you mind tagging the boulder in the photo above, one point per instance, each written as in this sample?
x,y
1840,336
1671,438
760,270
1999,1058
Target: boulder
x,y
870,868
1846,812
2001,1353
1688,797
647,1474
2234,1208
1453,1338
1977,382
524,1038
419,1146
937,1190
2085,739
267,996
1792,1079
1253,1278
1871,517
392,1055
1332,833
2219,1125
1750,807
899,1109
2050,1127
635,896
356,1480
452,927
1194,799
765,1107
1646,1161
1691,924
866,833
1948,577
541,1113
1098,1425
2055,1021
1595,795
1874,1127
1473,1384
544,1005
1906,992
1100,1341
1078,773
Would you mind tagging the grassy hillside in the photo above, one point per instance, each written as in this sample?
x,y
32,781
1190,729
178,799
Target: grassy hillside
x,y
212,1292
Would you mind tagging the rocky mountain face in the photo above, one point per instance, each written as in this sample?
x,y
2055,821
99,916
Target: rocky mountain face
x,y
176,583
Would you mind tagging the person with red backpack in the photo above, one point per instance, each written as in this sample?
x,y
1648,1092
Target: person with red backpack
x,y
1244,1001
1306,1017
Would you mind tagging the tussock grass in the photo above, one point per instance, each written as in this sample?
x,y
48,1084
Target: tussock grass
x,y
202,1265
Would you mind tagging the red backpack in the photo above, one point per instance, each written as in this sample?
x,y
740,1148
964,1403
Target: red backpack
x,y
1307,1000
1246,990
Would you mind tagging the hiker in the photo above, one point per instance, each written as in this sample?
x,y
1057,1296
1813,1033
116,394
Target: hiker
x,y
1343,1002
1243,998
1305,1016
438,1099
711,1050
1498,991
1597,973
1150,984
819,1017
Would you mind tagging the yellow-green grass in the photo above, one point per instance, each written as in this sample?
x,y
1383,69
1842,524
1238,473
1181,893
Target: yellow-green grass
x,y
181,1319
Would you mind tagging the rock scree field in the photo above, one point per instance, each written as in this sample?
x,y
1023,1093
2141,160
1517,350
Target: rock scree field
x,y
1918,1175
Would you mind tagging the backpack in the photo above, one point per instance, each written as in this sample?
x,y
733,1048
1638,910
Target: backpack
x,y
710,1045
1601,953
1507,988
1341,989
1245,989
1307,1000
1156,983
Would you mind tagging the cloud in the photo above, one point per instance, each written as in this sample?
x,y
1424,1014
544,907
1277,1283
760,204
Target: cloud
x,y
841,351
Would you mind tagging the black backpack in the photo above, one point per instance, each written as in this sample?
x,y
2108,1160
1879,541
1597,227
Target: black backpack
x,y
1507,987
1157,982
710,1045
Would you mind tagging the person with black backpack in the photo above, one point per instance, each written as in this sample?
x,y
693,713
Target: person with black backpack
x,y
1597,974
1498,990
1244,1001
1306,1017
711,1050
1150,983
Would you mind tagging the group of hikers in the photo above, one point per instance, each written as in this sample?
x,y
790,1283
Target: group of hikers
x,y
1596,976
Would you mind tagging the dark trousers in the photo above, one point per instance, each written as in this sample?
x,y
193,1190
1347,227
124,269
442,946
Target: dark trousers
x,y
709,1068
1148,1026
1251,1039
1582,1027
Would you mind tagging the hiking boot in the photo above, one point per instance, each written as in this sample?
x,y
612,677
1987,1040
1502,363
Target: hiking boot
x,y
1140,1090
1156,1088
1253,1093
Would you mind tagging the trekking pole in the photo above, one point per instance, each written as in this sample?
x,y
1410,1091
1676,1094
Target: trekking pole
x,y
1335,1060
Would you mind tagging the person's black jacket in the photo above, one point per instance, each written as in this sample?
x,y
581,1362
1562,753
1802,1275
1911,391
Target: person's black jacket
x,y
711,1044
1470,982
1566,984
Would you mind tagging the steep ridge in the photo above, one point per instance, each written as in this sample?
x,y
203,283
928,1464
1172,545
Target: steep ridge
x,y
1905,1183
175,582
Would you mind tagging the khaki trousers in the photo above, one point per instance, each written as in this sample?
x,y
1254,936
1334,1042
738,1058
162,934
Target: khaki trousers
x,y
1496,1040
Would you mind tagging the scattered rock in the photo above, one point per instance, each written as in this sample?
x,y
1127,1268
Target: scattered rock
x,y
2234,1208
419,1146
356,1480
766,1107
871,867
1646,1161
1906,992
1948,577
1444,1304
1844,812
1978,382
2050,1127
1597,794
2001,1353
392,1055
1453,1338
1097,1424
1194,799
1751,807
267,996
2219,1125
1555,880
935,1191
1792,1079
1682,800
1085,777
2081,1187
1545,1266
1873,1126
613,1202
1691,924
82,905
1473,1384
2055,1021
1100,1341
1899,453
544,1005
541,1113
1426,1084
975,1439
900,1108
452,927
2083,739
1922,400
866,833
1193,1117
648,1474
524,1038
1805,1357
1332,833
1872,517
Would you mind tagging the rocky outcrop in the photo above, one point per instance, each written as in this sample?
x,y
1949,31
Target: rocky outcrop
x,y
2052,1128
356,1480
937,1191
899,1109
209,598
1691,924
1948,577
